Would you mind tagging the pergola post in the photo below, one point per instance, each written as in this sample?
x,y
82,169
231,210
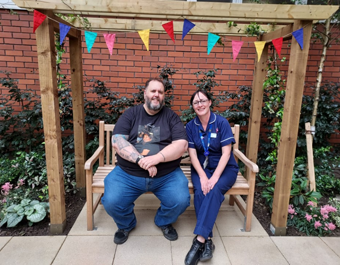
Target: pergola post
x,y
78,109
254,125
51,119
289,130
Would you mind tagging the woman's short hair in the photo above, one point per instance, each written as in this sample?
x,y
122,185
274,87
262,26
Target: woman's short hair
x,y
204,92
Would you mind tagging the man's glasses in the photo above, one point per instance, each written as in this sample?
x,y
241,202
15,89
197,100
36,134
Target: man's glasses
x,y
202,101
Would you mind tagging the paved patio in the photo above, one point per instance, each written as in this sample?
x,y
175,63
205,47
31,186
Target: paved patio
x,y
146,244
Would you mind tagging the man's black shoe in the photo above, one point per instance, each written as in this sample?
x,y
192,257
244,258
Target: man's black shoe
x,y
194,253
208,250
121,236
169,232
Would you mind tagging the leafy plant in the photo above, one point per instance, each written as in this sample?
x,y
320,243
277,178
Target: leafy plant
x,y
33,210
312,220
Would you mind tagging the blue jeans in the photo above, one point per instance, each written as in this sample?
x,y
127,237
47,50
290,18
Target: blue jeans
x,y
122,189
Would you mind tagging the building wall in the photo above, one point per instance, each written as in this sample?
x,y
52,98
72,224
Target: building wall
x,y
131,64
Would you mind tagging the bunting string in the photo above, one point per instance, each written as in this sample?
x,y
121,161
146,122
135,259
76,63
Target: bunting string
x,y
90,36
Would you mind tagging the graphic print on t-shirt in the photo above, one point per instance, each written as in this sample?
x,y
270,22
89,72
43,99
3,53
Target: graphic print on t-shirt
x,y
148,139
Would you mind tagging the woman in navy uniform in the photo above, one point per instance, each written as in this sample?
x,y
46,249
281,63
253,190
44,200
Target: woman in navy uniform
x,y
213,171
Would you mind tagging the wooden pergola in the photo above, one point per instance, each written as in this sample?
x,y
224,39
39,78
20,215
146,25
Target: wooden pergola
x,y
131,15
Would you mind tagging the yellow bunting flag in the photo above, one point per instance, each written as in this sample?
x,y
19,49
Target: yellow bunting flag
x,y
259,45
144,35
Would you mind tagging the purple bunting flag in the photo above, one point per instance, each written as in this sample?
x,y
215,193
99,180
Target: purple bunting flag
x,y
187,26
298,35
64,29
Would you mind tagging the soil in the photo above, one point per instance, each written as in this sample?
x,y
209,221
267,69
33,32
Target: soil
x,y
74,204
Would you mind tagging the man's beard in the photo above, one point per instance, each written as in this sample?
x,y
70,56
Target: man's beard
x,y
154,107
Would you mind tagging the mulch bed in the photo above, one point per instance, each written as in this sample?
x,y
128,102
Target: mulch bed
x,y
74,205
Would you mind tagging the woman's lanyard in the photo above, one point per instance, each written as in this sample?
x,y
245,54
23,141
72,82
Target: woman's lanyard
x,y
206,149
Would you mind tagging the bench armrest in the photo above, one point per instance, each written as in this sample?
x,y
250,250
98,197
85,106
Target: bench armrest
x,y
251,165
90,162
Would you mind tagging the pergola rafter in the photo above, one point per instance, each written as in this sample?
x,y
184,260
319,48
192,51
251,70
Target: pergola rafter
x,y
131,15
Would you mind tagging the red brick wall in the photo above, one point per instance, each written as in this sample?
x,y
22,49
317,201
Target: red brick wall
x,y
131,65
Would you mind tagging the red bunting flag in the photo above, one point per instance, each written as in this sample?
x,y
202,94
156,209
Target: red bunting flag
x,y
38,18
278,45
169,28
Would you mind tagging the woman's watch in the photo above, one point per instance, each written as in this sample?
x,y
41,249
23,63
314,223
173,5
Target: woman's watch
x,y
139,158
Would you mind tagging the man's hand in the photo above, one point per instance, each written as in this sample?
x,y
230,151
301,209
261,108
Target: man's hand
x,y
152,171
150,161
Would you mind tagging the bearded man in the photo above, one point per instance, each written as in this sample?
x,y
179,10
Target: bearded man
x,y
158,171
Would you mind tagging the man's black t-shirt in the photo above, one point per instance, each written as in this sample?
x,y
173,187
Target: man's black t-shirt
x,y
149,134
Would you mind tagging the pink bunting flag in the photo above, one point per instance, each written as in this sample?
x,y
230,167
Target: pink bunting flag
x,y
278,45
38,18
110,40
236,45
169,28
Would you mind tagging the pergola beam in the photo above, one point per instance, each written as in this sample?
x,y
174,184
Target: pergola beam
x,y
133,25
185,9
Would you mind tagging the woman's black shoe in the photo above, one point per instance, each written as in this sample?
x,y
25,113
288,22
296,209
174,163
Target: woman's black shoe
x,y
194,253
208,250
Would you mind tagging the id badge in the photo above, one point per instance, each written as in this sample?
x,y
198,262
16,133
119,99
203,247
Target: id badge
x,y
205,162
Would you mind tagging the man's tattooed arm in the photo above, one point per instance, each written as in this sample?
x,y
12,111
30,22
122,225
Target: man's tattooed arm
x,y
123,148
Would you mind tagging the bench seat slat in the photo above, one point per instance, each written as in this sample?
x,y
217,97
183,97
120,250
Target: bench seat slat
x,y
98,180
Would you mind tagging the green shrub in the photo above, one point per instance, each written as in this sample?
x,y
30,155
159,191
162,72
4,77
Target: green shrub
x,y
34,211
312,220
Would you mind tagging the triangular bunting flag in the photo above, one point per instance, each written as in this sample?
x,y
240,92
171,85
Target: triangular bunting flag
x,y
278,45
236,45
144,35
298,35
110,40
169,28
187,26
64,29
90,37
212,39
38,18
259,45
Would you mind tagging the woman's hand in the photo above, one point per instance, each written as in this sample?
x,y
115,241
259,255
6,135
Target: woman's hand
x,y
212,181
204,184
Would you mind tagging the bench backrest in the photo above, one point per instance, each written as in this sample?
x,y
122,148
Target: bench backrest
x,y
108,158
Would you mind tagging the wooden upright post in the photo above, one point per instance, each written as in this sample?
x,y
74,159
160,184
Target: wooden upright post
x,y
78,109
51,119
256,106
290,125
310,157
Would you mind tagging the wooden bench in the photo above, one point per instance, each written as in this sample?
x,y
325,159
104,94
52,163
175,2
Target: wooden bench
x,y
105,153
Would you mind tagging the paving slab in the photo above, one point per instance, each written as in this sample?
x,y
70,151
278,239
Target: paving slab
x,y
86,250
31,250
181,247
231,223
144,250
333,243
4,240
104,224
253,250
306,250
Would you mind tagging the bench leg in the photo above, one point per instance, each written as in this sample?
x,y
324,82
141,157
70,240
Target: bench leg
x,y
231,200
89,200
250,202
